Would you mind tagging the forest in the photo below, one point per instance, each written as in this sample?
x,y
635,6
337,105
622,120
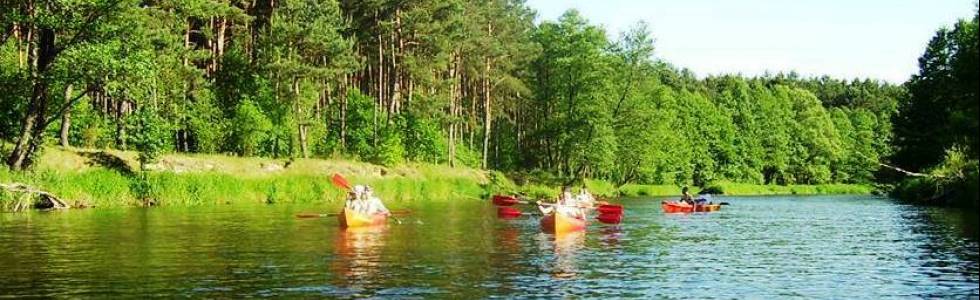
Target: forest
x,y
463,83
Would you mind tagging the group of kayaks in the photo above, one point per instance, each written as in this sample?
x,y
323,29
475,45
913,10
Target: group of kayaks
x,y
553,222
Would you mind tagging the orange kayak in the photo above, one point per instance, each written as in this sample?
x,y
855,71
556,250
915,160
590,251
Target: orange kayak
x,y
349,219
671,207
559,223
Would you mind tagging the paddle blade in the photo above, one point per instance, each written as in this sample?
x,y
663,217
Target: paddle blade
x,y
508,212
403,212
610,209
501,200
340,181
610,218
313,215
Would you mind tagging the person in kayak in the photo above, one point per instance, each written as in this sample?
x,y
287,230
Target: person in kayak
x,y
355,197
585,199
362,200
686,196
372,204
566,205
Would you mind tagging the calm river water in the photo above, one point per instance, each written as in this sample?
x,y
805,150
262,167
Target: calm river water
x,y
842,247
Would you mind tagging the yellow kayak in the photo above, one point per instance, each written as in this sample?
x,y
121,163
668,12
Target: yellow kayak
x,y
559,223
349,219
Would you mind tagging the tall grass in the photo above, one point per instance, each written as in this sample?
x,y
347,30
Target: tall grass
x,y
106,188
228,180
731,188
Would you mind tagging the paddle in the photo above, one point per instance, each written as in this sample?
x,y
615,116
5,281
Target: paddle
x,y
507,201
603,207
608,213
340,182
315,215
610,218
610,209
613,214
508,212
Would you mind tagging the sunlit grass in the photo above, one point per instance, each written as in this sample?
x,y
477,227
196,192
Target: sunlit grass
x,y
193,180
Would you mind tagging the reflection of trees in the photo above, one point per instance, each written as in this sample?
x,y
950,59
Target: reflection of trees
x,y
359,255
944,232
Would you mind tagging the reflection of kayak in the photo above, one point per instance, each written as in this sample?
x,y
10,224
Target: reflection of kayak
x,y
559,223
350,218
681,207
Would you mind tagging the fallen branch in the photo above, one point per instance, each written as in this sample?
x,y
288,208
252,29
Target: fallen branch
x,y
907,172
46,200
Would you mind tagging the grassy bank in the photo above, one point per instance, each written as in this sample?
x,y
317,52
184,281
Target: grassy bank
x,y
108,178
87,178
608,189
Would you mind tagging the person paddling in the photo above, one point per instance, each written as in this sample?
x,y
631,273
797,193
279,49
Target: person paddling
x,y
686,196
355,197
566,205
361,199
373,204
585,199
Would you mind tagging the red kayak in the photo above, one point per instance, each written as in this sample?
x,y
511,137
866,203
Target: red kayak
x,y
672,207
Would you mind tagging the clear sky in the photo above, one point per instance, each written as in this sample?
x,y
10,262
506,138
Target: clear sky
x,y
879,39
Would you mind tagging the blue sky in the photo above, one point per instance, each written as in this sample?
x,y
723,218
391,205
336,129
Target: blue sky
x,y
879,39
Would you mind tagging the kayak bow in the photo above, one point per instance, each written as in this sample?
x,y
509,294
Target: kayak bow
x,y
350,219
558,223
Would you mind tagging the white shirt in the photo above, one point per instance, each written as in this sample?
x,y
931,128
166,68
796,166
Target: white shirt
x,y
373,205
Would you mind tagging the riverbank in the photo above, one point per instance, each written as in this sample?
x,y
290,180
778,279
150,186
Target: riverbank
x,y
110,178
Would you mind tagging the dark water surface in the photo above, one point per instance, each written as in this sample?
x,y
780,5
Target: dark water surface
x,y
842,247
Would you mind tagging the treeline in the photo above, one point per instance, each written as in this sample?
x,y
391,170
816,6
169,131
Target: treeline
x,y
936,131
474,83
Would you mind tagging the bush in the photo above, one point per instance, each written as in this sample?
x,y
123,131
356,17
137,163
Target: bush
x,y
250,127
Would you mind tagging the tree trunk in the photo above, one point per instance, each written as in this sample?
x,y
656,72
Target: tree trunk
x,y
380,78
343,114
487,112
220,44
453,104
66,120
300,121
32,124
120,125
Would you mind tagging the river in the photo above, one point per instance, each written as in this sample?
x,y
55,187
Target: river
x,y
844,247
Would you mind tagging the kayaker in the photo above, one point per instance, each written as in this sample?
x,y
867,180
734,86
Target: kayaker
x,y
566,205
373,204
686,196
355,198
569,204
585,198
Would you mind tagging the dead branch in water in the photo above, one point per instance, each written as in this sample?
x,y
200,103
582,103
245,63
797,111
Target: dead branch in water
x,y
46,199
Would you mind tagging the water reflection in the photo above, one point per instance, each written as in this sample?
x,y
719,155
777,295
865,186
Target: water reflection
x,y
566,248
358,250
760,247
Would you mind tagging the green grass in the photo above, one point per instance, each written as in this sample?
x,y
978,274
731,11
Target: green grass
x,y
640,190
91,178
95,178
742,189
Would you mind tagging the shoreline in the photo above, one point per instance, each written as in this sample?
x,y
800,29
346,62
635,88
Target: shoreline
x,y
106,178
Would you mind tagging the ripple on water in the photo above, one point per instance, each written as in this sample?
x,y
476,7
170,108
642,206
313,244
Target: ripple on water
x,y
758,247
